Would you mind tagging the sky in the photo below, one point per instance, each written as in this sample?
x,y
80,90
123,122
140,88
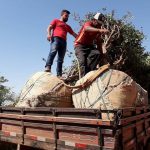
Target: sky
x,y
23,25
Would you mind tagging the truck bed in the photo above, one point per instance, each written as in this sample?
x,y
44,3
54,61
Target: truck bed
x,y
70,128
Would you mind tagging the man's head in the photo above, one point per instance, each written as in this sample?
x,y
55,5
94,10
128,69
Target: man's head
x,y
65,15
98,19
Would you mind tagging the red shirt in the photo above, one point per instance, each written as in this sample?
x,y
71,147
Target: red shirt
x,y
60,29
85,37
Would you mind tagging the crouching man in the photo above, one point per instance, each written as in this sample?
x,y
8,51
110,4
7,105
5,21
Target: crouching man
x,y
87,46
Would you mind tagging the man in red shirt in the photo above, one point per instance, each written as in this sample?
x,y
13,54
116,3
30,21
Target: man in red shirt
x,y
57,33
87,46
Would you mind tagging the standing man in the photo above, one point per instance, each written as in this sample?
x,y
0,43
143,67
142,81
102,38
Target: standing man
x,y
87,44
57,33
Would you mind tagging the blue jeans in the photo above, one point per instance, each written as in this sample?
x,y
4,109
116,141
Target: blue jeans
x,y
58,45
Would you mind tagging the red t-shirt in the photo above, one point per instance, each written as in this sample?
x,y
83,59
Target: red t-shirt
x,y
60,28
86,38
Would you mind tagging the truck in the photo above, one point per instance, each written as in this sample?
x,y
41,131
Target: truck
x,y
50,128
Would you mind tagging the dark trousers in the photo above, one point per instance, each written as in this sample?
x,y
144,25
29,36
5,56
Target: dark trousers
x,y
58,45
88,58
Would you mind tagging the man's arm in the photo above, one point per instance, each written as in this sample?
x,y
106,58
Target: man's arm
x,y
49,29
92,29
74,34
70,30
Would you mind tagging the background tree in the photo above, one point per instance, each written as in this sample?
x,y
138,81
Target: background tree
x,y
123,46
6,95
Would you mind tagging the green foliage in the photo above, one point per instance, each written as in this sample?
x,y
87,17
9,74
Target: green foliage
x,y
6,95
136,59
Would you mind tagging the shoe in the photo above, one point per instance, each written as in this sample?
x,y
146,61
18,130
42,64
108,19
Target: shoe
x,y
47,69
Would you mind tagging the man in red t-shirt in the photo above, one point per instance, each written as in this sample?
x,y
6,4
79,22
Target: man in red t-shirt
x,y
87,53
57,34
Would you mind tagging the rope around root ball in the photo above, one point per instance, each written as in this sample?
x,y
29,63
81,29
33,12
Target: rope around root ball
x,y
91,78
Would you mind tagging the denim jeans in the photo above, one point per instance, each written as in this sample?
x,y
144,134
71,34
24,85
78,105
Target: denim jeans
x,y
58,46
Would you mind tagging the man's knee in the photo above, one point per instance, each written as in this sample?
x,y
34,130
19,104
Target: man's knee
x,y
60,60
96,52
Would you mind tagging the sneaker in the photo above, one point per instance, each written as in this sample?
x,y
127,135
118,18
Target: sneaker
x,y
47,69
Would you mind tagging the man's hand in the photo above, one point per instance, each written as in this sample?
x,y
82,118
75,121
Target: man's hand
x,y
103,31
49,38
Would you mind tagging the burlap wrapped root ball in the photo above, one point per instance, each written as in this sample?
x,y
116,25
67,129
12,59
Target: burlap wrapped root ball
x,y
45,90
112,89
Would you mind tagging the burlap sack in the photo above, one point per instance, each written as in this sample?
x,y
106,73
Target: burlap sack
x,y
111,90
44,89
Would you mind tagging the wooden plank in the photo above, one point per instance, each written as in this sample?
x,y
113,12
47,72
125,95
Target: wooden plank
x,y
39,144
129,110
9,137
77,115
38,125
62,145
78,137
51,109
59,119
141,136
77,110
72,109
148,131
110,142
37,131
16,140
140,126
10,108
92,129
128,133
130,145
12,122
133,118
29,124
76,128
11,128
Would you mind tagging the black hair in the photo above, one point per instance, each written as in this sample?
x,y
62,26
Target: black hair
x,y
65,11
